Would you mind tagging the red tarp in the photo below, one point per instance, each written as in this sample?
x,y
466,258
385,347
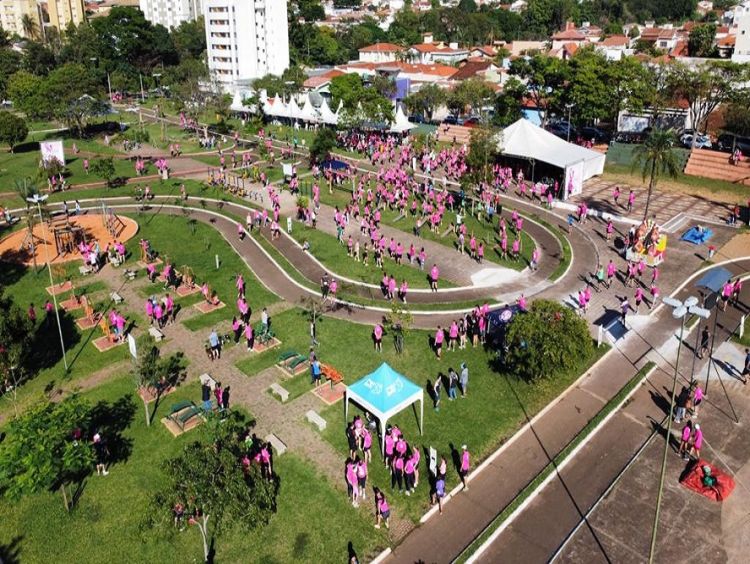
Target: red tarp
x,y
693,480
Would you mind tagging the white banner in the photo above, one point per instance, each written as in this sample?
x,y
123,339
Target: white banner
x,y
52,150
574,179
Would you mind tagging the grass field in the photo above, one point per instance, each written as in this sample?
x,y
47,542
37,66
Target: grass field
x,y
313,522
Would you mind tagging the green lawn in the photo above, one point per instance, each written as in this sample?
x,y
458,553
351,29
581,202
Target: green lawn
x,y
168,235
313,522
493,409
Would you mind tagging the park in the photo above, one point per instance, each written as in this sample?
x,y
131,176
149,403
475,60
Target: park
x,y
302,336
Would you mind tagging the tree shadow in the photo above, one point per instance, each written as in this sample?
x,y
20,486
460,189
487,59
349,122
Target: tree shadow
x,y
46,351
112,419
12,267
11,553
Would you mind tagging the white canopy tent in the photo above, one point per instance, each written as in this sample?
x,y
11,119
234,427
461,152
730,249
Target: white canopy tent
x,y
293,110
237,105
525,140
384,393
307,113
326,115
401,123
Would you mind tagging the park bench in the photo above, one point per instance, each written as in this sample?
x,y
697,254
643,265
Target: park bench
x,y
276,443
263,337
156,334
117,298
316,420
182,412
279,391
285,356
129,274
85,270
295,362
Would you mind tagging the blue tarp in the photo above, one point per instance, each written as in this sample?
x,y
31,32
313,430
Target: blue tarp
x,y
385,388
714,279
696,236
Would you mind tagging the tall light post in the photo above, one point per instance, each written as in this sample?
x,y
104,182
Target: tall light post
x,y
680,310
569,107
38,199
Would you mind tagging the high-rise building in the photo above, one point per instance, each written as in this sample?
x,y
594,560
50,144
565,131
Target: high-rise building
x,y
64,12
12,14
742,43
246,39
171,13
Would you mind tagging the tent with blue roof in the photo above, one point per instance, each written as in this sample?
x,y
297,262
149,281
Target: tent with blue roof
x,y
384,393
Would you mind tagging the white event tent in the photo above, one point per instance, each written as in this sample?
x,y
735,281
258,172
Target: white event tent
x,y
384,393
525,140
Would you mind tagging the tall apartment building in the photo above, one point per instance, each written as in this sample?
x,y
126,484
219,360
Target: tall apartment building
x,y
742,43
12,13
171,13
246,39
63,12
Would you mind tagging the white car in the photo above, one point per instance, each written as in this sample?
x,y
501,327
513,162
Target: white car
x,y
702,141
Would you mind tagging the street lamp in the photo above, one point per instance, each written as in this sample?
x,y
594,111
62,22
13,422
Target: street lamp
x,y
680,310
38,199
569,107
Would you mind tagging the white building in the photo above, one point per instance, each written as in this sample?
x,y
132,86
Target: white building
x,y
246,39
171,13
742,43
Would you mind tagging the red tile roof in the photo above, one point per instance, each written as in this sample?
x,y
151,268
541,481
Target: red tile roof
x,y
569,35
436,48
615,41
381,48
470,70
321,79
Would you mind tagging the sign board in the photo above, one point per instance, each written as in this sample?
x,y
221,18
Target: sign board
x,y
433,461
52,150
132,346
288,170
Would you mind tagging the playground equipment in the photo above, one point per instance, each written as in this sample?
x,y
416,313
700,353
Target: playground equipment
x,y
112,223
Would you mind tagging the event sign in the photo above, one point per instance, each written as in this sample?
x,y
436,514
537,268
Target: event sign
x,y
52,150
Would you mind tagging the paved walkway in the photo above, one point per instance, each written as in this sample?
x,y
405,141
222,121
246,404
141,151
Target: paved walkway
x,y
440,539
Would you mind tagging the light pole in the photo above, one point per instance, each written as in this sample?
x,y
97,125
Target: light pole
x,y
680,310
569,107
38,199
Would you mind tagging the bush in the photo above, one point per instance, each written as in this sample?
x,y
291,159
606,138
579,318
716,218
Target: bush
x,y
547,341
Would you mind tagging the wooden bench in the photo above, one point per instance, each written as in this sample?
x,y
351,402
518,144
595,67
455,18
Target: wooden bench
x,y
156,334
279,391
276,443
117,298
316,419
182,412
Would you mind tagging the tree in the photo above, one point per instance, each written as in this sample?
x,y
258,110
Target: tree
x,y
426,100
549,340
482,153
588,89
361,104
47,449
27,93
13,129
74,92
704,88
209,481
189,39
508,102
655,157
154,372
10,62
545,78
629,83
104,168
38,59
322,145
16,336
701,40
29,26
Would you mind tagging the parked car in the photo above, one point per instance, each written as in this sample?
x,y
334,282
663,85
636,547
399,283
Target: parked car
x,y
417,118
599,136
564,131
727,142
451,120
471,122
702,141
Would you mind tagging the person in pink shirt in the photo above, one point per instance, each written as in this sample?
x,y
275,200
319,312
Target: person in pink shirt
x,y
453,336
237,329
377,337
151,271
169,309
638,298
654,291
522,303
439,339
698,397
687,430
159,315
389,449
382,510
480,253
695,449
150,311
726,294
391,287
249,337
534,259
240,284
516,248
434,276
403,289
409,467
611,270
463,471
352,486
361,468
367,444
120,326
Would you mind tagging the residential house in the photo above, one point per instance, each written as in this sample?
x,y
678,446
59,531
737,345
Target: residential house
x,y
614,47
380,53
429,52
321,83
569,35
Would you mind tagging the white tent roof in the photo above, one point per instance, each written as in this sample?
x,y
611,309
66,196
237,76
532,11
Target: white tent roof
x,y
401,123
308,112
326,115
526,140
293,110
237,105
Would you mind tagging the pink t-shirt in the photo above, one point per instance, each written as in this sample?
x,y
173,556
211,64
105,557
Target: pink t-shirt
x,y
439,337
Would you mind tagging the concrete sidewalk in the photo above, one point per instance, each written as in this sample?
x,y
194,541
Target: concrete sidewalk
x,y
441,538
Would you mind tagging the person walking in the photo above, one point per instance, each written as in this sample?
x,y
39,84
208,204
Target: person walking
x,y
705,339
463,380
215,346
463,471
695,449
452,384
687,431
746,369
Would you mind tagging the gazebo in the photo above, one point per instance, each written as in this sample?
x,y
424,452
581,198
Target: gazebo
x,y
384,393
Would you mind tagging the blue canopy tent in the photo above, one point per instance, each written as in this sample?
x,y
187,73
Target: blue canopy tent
x,y
384,393
714,279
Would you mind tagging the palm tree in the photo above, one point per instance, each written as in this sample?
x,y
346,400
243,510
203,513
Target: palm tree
x,y
29,26
655,157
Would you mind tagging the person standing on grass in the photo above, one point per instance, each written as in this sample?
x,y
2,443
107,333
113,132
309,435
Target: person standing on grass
x,y
434,276
377,337
351,482
463,379
49,310
361,468
436,392
439,339
32,314
382,510
409,468
366,445
101,452
463,471
452,384
687,430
